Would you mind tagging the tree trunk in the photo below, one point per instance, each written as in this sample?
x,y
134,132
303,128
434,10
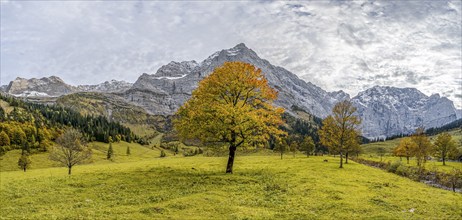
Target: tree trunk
x,y
407,158
341,160
69,171
232,153
24,169
444,161
346,158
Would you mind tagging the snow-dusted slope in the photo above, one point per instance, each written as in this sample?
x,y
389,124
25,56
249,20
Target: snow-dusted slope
x,y
54,86
387,111
106,87
46,86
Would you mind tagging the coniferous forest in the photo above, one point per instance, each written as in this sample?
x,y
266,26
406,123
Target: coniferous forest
x,y
33,126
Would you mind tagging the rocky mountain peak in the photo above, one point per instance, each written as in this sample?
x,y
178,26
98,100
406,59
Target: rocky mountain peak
x,y
176,69
106,87
173,84
340,95
387,111
46,86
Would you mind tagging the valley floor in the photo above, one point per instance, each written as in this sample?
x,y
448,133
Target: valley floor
x,y
197,188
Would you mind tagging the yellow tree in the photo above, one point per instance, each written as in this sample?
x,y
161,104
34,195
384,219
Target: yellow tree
x,y
405,148
423,146
340,131
232,105
445,146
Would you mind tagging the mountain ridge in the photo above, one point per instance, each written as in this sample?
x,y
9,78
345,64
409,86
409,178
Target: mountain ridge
x,y
54,86
384,110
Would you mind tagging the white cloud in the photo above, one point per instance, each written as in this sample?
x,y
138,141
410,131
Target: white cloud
x,y
336,45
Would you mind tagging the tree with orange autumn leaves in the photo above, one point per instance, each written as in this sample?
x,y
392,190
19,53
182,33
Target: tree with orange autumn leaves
x,y
232,105
340,131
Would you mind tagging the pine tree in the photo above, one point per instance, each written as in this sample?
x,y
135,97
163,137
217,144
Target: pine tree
x,y
110,151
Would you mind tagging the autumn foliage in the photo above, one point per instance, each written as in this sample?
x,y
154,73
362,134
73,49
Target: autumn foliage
x,y
232,105
340,131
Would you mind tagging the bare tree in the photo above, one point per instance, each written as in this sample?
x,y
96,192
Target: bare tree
x,y
71,149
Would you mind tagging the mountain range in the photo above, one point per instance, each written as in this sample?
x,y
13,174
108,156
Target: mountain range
x,y
54,86
385,111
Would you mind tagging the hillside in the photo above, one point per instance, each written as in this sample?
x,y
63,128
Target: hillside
x,y
371,148
116,109
197,188
9,161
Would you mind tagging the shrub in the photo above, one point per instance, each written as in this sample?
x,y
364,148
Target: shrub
x,y
402,170
162,153
393,166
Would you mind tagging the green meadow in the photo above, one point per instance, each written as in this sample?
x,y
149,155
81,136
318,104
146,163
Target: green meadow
x,y
370,152
144,186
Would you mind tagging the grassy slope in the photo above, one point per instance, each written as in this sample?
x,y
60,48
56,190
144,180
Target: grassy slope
x,y
9,161
197,188
114,107
389,145
412,162
370,153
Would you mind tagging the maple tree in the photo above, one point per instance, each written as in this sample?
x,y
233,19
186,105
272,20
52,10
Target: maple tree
x,y
405,148
445,146
232,105
340,131
423,146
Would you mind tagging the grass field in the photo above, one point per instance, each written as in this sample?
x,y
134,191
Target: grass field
x,y
391,144
262,187
429,165
9,162
370,153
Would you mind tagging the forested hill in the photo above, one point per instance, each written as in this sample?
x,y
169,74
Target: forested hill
x,y
31,125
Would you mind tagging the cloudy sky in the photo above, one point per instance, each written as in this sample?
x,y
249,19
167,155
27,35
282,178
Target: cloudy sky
x,y
336,45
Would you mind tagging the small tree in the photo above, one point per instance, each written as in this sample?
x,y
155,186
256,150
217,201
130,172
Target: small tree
x,y
293,147
308,145
405,148
454,178
24,161
162,153
118,138
281,146
445,146
340,130
128,150
381,152
71,149
423,147
110,151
